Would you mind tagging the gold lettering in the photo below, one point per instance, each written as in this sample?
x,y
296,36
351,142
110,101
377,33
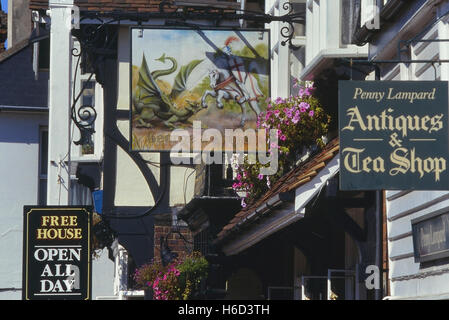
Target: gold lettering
x,y
354,113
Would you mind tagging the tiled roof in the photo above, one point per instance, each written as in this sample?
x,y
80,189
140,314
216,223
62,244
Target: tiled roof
x,y
106,5
109,5
18,86
38,4
290,181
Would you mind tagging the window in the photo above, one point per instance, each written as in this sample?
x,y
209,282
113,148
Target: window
x,y
43,166
88,99
91,96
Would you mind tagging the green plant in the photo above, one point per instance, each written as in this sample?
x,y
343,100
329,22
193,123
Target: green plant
x,y
180,280
299,121
102,235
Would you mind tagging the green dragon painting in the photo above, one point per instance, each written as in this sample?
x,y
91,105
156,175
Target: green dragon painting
x,y
152,103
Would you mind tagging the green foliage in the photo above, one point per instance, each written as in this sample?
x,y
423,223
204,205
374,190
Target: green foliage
x,y
298,122
180,280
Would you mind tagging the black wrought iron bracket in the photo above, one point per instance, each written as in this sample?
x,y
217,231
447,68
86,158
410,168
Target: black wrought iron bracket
x,y
98,36
85,116
168,11
97,42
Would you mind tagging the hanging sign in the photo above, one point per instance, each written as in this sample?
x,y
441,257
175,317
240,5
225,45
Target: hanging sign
x,y
393,135
56,253
184,81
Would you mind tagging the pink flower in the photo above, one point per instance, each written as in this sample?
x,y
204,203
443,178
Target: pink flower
x,y
260,176
309,91
239,177
283,137
311,113
276,113
304,106
296,119
295,83
234,186
268,115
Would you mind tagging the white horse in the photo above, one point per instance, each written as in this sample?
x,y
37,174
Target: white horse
x,y
226,86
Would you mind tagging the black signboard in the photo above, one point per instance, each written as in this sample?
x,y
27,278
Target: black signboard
x,y
431,236
56,253
393,135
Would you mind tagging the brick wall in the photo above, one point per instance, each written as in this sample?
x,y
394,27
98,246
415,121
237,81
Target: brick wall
x,y
175,242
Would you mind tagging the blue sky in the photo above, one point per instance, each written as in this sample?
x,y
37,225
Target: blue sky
x,y
5,5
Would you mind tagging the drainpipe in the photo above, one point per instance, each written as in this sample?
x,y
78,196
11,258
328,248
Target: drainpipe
x,y
379,217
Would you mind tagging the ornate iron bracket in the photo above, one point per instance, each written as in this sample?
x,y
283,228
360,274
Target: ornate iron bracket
x,y
85,116
167,10
97,41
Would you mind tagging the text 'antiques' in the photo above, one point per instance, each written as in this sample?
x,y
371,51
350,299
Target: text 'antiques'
x,y
393,135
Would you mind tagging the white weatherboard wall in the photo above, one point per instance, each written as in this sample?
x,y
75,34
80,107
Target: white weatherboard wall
x,y
324,21
19,161
407,278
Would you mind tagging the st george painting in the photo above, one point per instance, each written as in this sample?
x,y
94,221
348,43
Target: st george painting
x,y
218,78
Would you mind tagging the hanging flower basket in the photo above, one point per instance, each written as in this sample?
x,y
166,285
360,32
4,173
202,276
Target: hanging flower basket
x,y
300,123
179,280
103,236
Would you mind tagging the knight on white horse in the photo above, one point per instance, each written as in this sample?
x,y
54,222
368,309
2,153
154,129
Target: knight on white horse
x,y
230,80
245,79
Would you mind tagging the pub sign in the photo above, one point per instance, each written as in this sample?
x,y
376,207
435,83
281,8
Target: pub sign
x,y
393,135
56,253
187,80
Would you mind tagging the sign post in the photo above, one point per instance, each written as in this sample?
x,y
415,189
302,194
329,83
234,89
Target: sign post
x,y
57,253
393,135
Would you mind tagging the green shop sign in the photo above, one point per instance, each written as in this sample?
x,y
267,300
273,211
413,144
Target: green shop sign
x,y
393,135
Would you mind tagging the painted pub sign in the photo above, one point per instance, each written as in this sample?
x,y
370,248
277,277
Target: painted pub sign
x,y
393,135
185,79
56,253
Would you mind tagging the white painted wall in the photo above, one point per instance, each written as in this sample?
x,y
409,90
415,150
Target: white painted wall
x,y
407,278
102,275
19,160
285,63
323,36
